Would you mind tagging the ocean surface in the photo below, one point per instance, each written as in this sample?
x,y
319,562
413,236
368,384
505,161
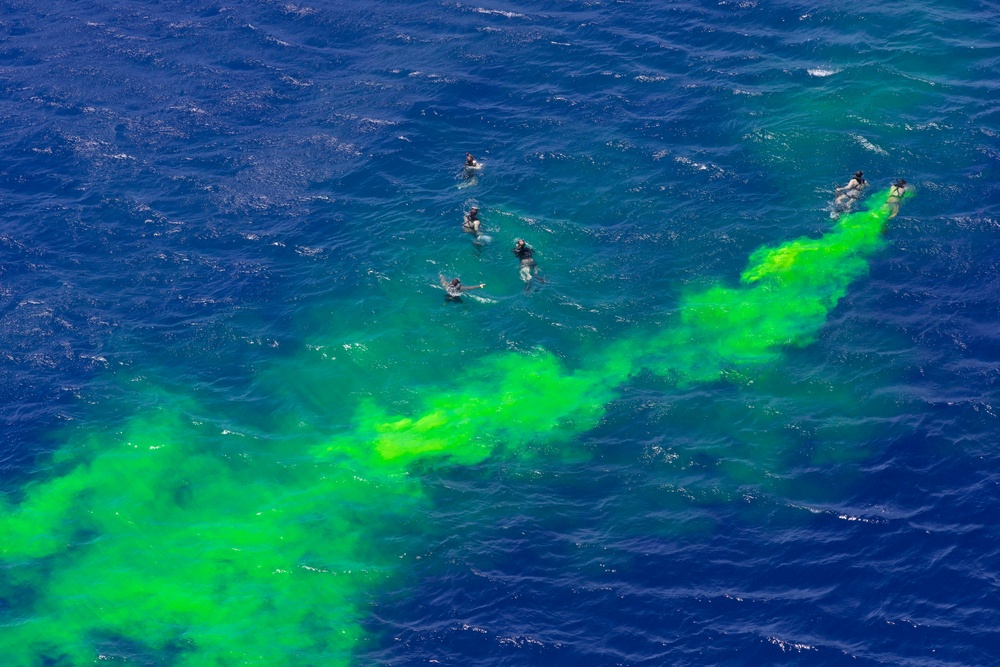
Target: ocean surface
x,y
726,423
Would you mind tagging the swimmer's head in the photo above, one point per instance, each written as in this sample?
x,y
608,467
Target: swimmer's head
x,y
518,243
900,183
455,282
858,174
474,209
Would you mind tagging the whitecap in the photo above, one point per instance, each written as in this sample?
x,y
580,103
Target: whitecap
x,y
787,647
819,71
499,12
869,145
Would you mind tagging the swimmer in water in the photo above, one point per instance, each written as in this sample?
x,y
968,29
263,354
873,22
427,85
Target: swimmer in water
x,y
896,193
851,192
526,254
472,225
469,171
454,288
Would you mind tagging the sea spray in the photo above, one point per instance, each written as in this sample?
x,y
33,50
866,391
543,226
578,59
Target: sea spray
x,y
155,543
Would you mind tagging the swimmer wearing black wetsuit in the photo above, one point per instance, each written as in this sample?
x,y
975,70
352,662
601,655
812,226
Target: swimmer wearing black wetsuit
x,y
896,193
471,223
852,190
525,253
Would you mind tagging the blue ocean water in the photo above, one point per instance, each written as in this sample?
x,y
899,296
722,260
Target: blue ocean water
x,y
240,213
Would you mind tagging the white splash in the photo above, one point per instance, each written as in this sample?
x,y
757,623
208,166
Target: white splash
x,y
869,145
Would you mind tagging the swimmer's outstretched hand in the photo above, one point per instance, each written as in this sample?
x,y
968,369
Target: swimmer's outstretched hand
x,y
482,285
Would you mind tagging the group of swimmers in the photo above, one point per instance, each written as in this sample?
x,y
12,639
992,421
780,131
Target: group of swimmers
x,y
471,224
850,193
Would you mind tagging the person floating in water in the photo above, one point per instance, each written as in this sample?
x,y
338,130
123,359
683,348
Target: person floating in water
x,y
454,288
850,193
896,193
526,254
471,224
469,171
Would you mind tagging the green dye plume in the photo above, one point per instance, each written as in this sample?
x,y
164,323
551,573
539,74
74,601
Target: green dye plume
x,y
783,300
162,544
162,547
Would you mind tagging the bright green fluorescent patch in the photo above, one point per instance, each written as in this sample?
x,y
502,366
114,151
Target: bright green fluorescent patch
x,y
153,545
784,297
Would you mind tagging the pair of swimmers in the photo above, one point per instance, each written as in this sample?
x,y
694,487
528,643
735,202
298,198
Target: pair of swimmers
x,y
847,195
529,270
471,224
525,255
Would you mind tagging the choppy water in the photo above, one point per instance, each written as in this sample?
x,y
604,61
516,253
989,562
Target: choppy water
x,y
242,426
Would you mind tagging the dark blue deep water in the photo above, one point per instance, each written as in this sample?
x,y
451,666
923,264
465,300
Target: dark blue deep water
x,y
236,214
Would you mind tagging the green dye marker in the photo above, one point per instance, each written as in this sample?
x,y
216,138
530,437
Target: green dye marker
x,y
156,545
